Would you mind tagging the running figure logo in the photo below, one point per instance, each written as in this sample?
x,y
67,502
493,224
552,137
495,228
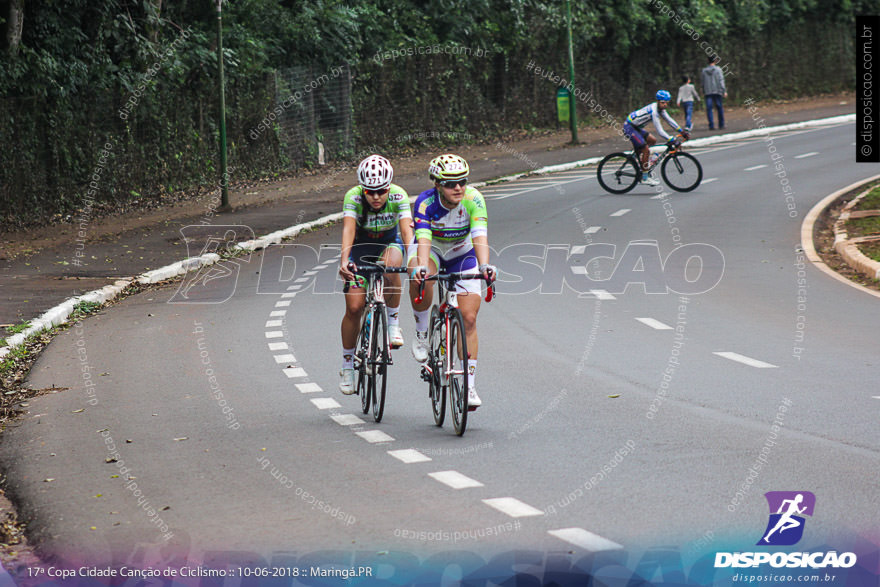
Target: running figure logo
x,y
786,525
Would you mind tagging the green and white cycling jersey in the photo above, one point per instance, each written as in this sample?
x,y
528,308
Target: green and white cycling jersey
x,y
379,226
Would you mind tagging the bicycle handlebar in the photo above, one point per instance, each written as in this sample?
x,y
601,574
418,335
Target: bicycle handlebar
x,y
368,269
453,278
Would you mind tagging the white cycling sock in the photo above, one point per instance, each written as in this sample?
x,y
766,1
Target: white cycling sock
x,y
472,372
347,358
393,316
421,320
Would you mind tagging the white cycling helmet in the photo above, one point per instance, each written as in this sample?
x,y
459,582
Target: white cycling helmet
x,y
375,172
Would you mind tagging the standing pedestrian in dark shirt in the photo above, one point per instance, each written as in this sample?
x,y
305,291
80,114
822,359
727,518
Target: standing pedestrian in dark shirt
x,y
714,90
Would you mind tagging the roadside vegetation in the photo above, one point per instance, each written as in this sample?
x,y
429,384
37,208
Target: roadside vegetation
x,y
113,106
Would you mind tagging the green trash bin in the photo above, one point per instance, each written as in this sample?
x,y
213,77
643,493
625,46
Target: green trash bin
x,y
563,105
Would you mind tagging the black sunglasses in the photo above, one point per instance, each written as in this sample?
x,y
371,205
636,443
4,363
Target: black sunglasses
x,y
451,183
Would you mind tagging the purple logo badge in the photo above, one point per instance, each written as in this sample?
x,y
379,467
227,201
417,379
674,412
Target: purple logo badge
x,y
787,511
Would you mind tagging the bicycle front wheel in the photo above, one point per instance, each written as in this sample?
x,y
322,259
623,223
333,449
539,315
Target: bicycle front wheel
x,y
437,354
380,360
682,172
458,376
618,173
362,350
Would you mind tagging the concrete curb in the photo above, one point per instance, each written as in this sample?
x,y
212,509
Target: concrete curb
x,y
848,248
60,313
808,226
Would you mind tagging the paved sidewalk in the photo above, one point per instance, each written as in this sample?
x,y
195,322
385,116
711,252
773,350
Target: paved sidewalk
x,y
115,248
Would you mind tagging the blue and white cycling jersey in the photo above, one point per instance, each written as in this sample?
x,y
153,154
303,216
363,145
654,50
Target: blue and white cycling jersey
x,y
651,113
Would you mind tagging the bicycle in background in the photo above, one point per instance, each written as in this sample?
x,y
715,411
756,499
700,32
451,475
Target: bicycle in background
x,y
619,172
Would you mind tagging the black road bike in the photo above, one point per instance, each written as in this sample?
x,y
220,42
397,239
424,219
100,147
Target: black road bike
x,y
619,172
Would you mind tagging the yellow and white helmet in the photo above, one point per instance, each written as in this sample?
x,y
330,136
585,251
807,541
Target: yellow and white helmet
x,y
448,166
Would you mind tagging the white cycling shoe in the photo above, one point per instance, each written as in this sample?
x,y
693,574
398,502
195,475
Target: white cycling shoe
x,y
648,180
346,381
396,336
474,401
420,347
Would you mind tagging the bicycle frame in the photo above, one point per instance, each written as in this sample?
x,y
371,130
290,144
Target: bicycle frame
x,y
671,149
375,296
449,298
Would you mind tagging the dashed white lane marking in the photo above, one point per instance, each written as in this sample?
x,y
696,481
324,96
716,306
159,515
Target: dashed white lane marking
x,y
660,196
409,456
762,166
584,539
300,280
278,314
655,324
805,155
294,372
745,360
278,346
308,387
876,396
308,273
579,270
325,403
346,419
512,507
320,266
274,334
282,304
455,479
285,359
289,294
274,323
292,288
601,294
710,180
374,436
621,212
592,230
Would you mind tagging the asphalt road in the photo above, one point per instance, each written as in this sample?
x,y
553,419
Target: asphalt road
x,y
627,392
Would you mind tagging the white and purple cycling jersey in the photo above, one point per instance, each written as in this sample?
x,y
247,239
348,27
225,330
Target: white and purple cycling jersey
x,y
651,113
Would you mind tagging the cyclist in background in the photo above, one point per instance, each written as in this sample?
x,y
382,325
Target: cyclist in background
x,y
641,139
376,223
451,226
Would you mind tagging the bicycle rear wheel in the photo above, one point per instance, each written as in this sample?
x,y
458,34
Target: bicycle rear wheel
x,y
682,172
435,357
458,378
380,360
361,352
618,173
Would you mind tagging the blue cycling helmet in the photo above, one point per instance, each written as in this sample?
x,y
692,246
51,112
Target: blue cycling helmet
x,y
664,95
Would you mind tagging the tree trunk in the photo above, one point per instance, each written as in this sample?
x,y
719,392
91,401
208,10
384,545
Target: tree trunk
x,y
14,24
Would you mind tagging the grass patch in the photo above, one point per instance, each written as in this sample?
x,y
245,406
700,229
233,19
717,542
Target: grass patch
x,y
18,328
83,309
863,226
12,358
871,201
872,250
